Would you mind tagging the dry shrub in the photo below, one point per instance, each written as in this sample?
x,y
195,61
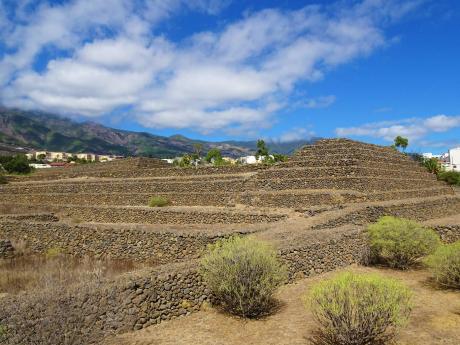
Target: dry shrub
x,y
358,309
159,201
243,274
55,272
400,243
444,265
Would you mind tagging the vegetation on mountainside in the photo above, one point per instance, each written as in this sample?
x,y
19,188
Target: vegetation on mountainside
x,y
400,243
46,131
358,309
243,273
444,265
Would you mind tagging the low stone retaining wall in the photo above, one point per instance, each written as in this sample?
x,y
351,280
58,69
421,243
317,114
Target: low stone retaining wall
x,y
39,217
363,184
343,171
128,186
423,210
448,233
133,172
289,199
339,161
333,251
122,199
165,215
84,314
136,244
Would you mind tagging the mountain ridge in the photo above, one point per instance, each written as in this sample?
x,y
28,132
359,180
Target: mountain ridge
x,y
35,130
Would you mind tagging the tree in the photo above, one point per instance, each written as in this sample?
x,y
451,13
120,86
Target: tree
x,y
214,155
197,148
262,150
18,164
401,142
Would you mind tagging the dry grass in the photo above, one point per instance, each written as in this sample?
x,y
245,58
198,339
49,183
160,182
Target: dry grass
x,y
55,271
435,319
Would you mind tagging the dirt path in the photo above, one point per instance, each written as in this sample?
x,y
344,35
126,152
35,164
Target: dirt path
x,y
434,320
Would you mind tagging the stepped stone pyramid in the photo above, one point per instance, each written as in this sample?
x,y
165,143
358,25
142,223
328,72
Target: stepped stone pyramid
x,y
330,173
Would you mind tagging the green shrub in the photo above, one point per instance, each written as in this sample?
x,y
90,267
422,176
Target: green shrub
x,y
358,309
3,179
451,177
16,164
400,243
53,252
444,265
158,201
243,274
213,155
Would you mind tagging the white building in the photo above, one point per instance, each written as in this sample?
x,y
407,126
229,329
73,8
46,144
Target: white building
x,y
40,166
251,159
454,159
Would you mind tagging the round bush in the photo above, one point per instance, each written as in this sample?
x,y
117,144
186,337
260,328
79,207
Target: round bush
x,y
358,309
243,274
400,243
444,265
158,201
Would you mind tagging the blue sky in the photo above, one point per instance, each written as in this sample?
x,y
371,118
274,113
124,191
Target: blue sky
x,y
222,69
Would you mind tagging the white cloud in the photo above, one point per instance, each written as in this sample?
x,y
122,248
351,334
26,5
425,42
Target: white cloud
x,y
295,134
232,80
412,128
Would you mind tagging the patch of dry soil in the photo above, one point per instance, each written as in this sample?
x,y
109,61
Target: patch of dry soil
x,y
435,319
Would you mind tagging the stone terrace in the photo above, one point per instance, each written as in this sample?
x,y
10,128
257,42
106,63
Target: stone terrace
x,y
312,207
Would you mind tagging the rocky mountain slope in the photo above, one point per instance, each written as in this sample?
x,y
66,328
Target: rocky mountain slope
x,y
39,130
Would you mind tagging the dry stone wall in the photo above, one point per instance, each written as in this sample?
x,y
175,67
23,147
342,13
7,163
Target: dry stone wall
x,y
422,210
165,215
134,172
130,243
86,313
362,184
448,233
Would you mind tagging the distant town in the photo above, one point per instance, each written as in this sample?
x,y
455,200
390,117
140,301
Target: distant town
x,y
450,160
52,159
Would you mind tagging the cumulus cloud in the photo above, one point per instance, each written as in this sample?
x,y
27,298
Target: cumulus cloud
x,y
110,54
295,134
412,128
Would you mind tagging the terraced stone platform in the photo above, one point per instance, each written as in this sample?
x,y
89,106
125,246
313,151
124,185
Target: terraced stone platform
x,y
313,207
